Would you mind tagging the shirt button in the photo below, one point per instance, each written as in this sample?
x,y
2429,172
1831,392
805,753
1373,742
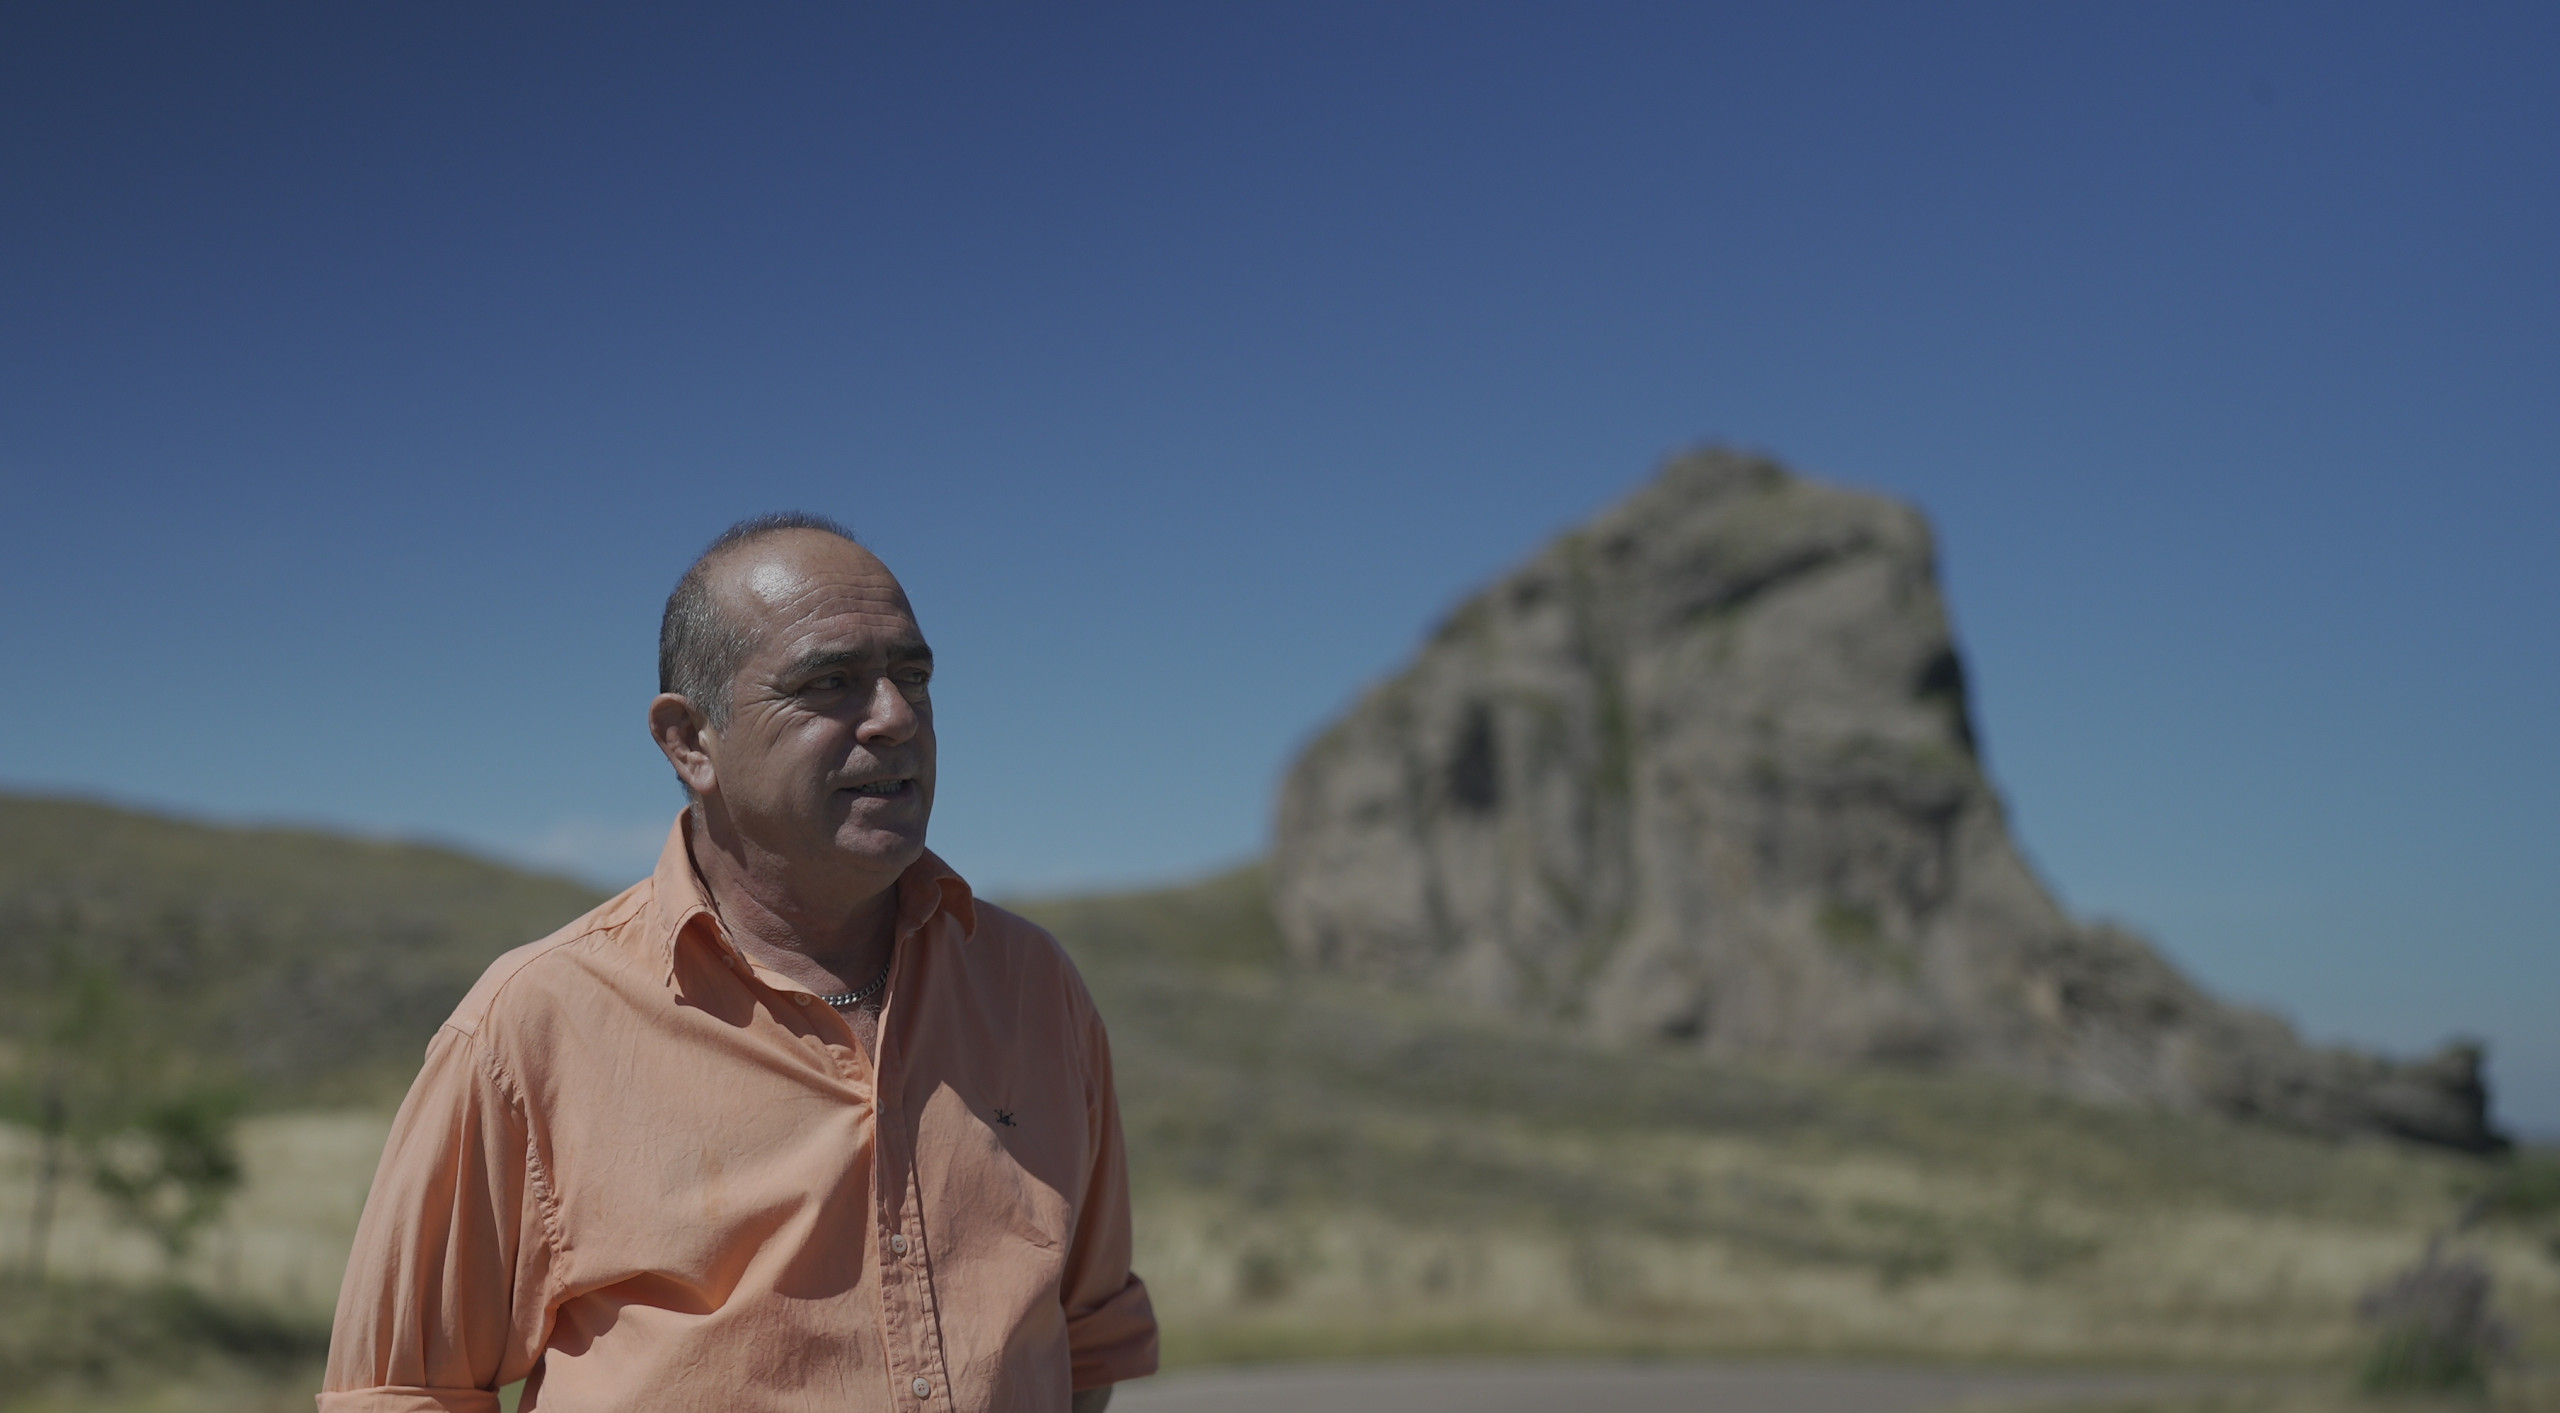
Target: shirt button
x,y
924,1389
898,1244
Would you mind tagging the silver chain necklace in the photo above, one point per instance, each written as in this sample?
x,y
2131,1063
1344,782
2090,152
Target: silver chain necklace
x,y
847,998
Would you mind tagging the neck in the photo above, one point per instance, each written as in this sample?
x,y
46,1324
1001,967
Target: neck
x,y
819,927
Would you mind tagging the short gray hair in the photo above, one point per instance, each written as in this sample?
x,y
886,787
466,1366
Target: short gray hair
x,y
700,649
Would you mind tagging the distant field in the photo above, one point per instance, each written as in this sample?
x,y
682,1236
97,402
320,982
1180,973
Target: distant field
x,y
283,1243
1328,1169
1324,1170
264,1281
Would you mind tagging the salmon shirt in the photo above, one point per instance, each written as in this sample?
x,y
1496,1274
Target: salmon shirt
x,y
645,1173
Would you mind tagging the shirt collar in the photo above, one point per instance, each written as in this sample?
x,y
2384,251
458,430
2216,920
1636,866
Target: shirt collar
x,y
928,887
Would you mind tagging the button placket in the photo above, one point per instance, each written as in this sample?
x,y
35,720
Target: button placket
x,y
906,1284
910,1308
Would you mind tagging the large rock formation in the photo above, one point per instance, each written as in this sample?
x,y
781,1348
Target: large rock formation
x,y
1703,771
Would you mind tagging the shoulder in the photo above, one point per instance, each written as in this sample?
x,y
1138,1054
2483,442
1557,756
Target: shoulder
x,y
532,978
1026,949
1028,987
1004,929
1017,970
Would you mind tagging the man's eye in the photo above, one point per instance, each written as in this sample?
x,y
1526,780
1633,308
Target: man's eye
x,y
828,683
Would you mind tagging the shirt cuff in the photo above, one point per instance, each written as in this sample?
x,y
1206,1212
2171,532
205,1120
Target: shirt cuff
x,y
1114,1343
410,1400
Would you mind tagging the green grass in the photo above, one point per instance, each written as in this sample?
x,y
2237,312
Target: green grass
x,y
104,1346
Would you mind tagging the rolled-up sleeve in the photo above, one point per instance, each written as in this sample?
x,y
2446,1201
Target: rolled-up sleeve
x,y
1111,1326
446,1294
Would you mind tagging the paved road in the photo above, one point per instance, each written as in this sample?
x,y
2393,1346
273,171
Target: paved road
x,y
1619,1388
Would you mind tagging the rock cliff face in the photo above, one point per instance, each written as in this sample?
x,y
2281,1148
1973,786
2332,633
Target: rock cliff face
x,y
1703,772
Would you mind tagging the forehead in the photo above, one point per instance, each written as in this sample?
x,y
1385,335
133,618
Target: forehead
x,y
800,592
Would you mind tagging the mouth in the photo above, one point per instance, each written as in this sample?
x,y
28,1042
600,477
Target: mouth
x,y
883,789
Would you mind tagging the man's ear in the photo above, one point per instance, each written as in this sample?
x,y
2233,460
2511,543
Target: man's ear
x,y
679,731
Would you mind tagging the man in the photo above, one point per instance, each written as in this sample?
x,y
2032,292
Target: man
x,y
797,1123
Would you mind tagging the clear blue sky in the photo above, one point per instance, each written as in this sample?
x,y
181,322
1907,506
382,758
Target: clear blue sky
x,y
367,374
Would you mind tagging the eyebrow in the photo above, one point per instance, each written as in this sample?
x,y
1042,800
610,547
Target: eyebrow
x,y
910,650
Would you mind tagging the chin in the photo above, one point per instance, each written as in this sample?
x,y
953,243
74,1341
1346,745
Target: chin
x,y
890,850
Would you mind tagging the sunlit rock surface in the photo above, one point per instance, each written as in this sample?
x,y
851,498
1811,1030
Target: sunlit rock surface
x,y
1703,772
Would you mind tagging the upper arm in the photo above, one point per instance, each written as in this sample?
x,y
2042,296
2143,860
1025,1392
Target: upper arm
x,y
446,1287
1111,1326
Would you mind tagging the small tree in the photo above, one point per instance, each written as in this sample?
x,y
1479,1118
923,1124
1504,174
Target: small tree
x,y
2433,1325
107,1094
75,1074
171,1172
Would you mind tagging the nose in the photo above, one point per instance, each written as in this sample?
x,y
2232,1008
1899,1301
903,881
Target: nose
x,y
891,718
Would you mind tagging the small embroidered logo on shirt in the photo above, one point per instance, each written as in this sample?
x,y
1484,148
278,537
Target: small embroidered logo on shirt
x,y
1005,1117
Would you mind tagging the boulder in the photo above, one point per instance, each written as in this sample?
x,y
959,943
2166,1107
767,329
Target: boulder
x,y
1704,772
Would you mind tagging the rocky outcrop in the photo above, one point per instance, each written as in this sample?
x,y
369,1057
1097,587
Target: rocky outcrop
x,y
1703,771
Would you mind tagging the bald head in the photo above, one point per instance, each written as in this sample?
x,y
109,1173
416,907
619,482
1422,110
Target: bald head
x,y
702,638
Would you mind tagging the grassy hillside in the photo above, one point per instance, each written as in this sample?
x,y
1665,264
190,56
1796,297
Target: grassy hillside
x,y
1321,1168
1324,1166
313,966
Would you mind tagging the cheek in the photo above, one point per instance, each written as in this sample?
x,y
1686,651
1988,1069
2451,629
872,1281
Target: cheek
x,y
801,760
